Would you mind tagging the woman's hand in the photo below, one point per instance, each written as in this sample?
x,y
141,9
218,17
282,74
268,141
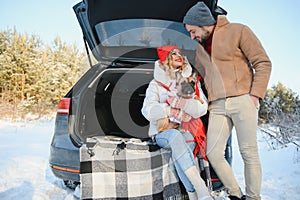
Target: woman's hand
x,y
176,102
179,115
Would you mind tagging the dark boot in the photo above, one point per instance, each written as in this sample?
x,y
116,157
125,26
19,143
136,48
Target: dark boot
x,y
237,198
234,198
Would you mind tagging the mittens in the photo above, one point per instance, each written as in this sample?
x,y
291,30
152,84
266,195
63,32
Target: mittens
x,y
176,102
179,115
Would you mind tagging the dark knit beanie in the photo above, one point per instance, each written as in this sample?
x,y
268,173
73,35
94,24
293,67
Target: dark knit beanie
x,y
199,15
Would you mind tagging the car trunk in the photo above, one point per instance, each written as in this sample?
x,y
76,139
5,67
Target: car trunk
x,y
123,37
110,104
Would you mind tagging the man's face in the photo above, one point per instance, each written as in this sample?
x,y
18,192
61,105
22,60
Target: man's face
x,y
199,33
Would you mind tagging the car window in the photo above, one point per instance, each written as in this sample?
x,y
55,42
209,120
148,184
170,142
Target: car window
x,y
143,33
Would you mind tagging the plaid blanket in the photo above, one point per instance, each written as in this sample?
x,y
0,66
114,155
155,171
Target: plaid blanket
x,y
118,169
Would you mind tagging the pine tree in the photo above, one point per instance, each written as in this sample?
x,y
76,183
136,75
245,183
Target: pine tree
x,y
34,76
281,109
278,100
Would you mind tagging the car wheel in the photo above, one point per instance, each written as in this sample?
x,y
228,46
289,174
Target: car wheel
x,y
71,184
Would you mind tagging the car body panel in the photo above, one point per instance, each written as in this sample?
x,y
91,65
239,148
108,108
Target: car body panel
x,y
63,153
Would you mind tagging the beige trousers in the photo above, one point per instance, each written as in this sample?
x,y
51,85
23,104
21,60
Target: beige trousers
x,y
241,113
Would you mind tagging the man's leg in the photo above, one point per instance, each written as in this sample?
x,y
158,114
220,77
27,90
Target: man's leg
x,y
244,115
219,129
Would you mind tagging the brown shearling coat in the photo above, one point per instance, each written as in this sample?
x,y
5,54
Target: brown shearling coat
x,y
238,64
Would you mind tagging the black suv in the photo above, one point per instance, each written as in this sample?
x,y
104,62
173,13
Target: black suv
x,y
107,100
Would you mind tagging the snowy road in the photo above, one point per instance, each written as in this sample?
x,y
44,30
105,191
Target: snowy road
x,y
25,174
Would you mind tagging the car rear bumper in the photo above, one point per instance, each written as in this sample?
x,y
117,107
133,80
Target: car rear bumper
x,y
63,174
64,160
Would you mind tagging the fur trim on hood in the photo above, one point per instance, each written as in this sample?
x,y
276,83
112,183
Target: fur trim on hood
x,y
163,77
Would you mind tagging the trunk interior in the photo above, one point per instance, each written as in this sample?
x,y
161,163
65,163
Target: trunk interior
x,y
112,104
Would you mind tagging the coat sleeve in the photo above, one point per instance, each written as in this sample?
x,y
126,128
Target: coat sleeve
x,y
152,108
258,60
196,108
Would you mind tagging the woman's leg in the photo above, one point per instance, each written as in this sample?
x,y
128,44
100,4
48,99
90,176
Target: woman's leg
x,y
182,153
184,161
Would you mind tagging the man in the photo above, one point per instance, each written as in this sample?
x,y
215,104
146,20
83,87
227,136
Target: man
x,y
236,71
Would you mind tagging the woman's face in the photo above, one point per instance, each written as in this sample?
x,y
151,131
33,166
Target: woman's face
x,y
177,59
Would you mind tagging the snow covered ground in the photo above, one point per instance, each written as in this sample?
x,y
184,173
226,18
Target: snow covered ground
x,y
25,174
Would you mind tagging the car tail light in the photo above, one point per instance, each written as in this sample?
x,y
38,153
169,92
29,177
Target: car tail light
x,y
64,106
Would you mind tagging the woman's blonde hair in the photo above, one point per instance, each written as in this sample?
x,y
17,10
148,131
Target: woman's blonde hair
x,y
167,66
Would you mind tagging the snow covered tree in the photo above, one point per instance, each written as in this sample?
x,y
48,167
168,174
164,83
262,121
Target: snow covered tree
x,y
18,58
278,100
34,76
281,111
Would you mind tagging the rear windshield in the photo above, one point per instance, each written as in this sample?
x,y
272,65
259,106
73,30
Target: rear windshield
x,y
144,33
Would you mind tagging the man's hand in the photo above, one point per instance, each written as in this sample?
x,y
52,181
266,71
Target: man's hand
x,y
255,100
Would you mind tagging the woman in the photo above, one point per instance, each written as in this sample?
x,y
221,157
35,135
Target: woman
x,y
161,93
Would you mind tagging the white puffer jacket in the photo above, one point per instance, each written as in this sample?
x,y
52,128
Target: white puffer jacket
x,y
155,106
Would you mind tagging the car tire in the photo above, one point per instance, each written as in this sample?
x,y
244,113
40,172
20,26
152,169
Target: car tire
x,y
71,184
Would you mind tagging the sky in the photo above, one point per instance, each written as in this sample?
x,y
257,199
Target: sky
x,y
25,172
274,22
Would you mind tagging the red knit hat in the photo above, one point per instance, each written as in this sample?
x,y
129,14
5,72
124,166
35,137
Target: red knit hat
x,y
163,52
